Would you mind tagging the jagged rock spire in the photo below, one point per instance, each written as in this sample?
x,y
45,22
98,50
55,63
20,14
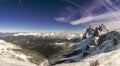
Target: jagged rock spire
x,y
97,31
89,31
102,27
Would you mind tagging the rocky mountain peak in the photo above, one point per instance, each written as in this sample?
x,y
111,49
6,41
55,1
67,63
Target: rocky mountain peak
x,y
102,27
97,31
101,42
89,31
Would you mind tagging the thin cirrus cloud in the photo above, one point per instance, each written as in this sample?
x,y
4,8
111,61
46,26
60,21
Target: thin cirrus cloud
x,y
67,14
111,20
111,16
108,13
60,19
21,3
82,20
113,12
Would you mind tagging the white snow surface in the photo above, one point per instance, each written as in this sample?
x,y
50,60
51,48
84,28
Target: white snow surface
x,y
8,57
104,59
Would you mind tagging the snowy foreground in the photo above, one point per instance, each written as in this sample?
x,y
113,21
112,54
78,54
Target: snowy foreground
x,y
8,57
104,59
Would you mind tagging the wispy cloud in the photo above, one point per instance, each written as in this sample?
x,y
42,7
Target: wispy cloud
x,y
60,19
82,20
67,14
111,16
111,20
96,12
80,7
20,2
76,11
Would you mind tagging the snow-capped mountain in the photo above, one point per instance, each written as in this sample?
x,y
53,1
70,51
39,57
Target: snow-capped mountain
x,y
105,54
99,48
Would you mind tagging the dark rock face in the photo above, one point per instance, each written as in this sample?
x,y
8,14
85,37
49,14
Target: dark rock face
x,y
89,31
102,38
96,32
102,27
99,30
115,41
85,54
73,53
114,36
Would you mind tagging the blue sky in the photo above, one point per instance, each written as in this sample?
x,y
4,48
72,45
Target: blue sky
x,y
32,16
50,15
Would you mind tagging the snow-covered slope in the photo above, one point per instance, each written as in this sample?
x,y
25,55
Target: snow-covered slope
x,y
12,55
102,55
104,59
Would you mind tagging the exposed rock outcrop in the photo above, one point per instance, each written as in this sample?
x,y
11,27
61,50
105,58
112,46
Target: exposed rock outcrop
x,y
96,32
89,31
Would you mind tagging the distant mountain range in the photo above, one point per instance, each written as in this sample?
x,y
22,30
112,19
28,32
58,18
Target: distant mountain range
x,y
64,35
